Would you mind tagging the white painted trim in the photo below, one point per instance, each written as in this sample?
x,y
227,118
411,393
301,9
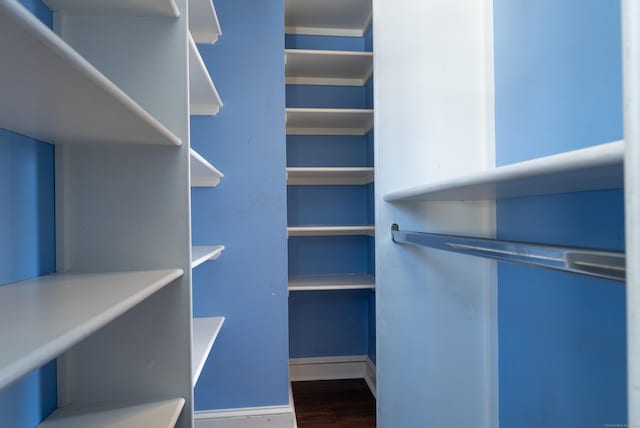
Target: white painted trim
x,y
331,368
370,377
248,417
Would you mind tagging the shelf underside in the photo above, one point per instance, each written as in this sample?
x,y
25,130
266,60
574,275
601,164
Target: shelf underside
x,y
314,67
331,282
50,93
594,168
166,8
327,17
203,95
318,121
201,254
329,176
205,332
203,21
51,313
203,174
161,414
330,230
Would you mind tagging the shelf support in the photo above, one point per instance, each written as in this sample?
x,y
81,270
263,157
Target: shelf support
x,y
583,261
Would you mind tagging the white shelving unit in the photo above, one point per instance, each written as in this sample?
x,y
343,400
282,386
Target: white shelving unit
x,y
203,22
327,121
167,8
203,94
594,168
201,254
323,67
203,174
320,17
205,332
330,230
329,176
331,282
161,414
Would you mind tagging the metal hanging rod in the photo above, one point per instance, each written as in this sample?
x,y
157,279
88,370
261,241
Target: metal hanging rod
x,y
583,261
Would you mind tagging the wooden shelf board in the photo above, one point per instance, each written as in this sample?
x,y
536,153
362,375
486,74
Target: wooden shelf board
x,y
166,8
203,22
201,254
205,332
331,282
204,99
161,414
322,67
594,168
348,18
322,121
50,93
203,174
297,176
330,230
51,313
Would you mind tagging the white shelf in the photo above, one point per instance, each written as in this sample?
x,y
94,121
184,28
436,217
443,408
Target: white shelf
x,y
314,67
205,331
324,121
203,174
331,282
51,313
161,414
203,22
49,92
203,95
200,255
116,7
330,230
329,176
327,17
593,168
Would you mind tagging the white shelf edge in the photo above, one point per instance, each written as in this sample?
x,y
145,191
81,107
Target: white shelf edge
x,y
325,31
331,282
205,332
325,56
330,230
60,55
204,99
204,25
203,174
201,254
326,121
309,176
48,305
160,414
165,8
592,168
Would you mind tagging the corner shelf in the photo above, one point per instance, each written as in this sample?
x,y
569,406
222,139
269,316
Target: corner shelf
x,y
203,22
200,255
205,332
322,67
328,17
203,174
161,414
51,93
594,168
331,282
300,176
326,121
330,230
165,8
51,313
204,99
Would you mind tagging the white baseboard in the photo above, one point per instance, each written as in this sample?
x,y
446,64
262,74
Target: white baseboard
x,y
331,368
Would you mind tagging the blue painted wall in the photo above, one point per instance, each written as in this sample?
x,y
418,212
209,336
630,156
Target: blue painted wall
x,y
27,248
561,337
246,212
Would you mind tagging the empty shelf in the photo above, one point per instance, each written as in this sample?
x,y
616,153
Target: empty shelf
x,y
327,17
50,93
329,175
51,313
313,67
205,331
200,255
330,230
203,174
593,168
331,282
116,7
203,21
203,95
326,121
161,414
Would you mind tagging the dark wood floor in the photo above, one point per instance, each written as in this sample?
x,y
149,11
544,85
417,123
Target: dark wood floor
x,y
334,404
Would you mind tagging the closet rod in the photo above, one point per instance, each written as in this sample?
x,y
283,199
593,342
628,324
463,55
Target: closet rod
x,y
583,261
